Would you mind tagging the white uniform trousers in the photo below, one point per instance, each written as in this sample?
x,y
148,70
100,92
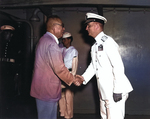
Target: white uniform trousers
x,y
113,110
66,104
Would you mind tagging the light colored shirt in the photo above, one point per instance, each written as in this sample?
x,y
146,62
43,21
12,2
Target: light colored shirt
x,y
56,39
68,55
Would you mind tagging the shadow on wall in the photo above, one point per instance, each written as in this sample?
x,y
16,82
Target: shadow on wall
x,y
19,49
87,39
90,41
15,77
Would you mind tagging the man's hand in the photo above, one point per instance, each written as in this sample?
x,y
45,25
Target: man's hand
x,y
117,96
78,80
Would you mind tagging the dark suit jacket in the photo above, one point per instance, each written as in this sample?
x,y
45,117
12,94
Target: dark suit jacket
x,y
48,70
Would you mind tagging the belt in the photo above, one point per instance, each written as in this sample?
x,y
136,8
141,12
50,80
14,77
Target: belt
x,y
7,60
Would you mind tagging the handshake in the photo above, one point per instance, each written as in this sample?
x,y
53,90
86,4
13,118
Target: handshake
x,y
78,80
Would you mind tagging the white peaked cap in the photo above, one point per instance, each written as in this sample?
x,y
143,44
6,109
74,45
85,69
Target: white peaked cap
x,y
7,27
66,35
92,17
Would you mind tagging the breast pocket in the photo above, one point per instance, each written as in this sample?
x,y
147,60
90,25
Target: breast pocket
x,y
101,56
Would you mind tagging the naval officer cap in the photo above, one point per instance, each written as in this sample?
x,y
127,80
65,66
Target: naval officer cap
x,y
92,17
66,35
7,27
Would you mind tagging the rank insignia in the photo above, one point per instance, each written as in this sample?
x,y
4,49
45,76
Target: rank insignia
x,y
100,47
104,38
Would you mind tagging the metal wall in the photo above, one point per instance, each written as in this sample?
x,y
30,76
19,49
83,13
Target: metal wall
x,y
15,3
130,29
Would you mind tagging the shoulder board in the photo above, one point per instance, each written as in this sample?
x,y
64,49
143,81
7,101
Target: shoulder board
x,y
104,38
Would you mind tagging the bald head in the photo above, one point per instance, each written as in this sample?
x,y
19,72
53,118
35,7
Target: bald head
x,y
51,21
55,26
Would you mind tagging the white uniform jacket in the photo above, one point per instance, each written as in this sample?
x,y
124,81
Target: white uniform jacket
x,y
108,67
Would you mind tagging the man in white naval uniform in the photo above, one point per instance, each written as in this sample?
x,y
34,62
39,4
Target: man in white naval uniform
x,y
107,65
70,56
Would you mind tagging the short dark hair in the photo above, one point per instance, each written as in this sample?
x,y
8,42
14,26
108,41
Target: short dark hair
x,y
51,19
71,38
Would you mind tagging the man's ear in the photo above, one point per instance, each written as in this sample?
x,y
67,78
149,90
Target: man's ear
x,y
99,27
53,30
96,26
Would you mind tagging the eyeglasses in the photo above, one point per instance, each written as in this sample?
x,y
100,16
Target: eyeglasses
x,y
62,25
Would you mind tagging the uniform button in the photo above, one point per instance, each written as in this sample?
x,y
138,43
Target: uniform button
x,y
96,52
95,60
96,69
97,77
95,43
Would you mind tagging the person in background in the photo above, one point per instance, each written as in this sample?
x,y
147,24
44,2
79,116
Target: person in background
x,y
107,65
49,69
10,56
70,56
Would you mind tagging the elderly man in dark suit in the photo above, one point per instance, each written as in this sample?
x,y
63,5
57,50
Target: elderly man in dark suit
x,y
49,69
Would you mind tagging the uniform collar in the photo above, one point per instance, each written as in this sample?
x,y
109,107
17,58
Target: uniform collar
x,y
99,36
56,39
68,47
